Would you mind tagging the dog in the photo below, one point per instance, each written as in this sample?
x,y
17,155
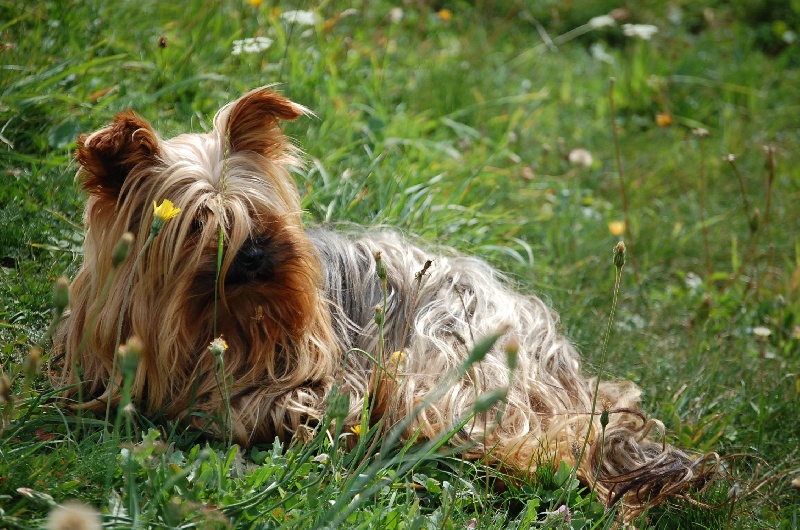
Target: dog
x,y
302,313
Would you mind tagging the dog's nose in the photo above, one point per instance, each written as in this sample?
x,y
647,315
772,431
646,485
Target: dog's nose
x,y
251,258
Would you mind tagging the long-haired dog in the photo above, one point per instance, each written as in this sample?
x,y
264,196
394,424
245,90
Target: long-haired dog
x,y
297,310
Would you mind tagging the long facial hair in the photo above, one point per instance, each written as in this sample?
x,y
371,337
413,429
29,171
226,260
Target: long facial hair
x,y
233,181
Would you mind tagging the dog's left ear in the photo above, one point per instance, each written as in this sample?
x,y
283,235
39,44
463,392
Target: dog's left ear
x,y
253,122
108,156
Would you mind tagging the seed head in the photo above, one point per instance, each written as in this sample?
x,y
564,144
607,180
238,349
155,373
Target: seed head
x,y
218,347
73,515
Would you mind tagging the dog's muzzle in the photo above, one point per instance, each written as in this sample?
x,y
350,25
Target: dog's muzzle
x,y
252,262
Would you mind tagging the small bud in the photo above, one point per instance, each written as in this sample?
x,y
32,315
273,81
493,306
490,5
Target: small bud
x,y
379,316
380,268
604,418
61,294
619,255
487,400
5,389
512,353
122,249
162,42
32,362
755,220
130,354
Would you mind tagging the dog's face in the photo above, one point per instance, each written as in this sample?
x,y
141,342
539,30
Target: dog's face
x,y
235,261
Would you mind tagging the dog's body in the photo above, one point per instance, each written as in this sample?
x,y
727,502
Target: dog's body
x,y
297,310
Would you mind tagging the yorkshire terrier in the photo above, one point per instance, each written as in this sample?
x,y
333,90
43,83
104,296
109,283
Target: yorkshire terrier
x,y
296,309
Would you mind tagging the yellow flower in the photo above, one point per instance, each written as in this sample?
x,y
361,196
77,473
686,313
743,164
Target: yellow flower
x,y
166,211
396,357
617,228
255,3
445,15
162,214
663,119
356,429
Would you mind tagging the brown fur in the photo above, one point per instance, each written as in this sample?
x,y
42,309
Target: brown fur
x,y
296,309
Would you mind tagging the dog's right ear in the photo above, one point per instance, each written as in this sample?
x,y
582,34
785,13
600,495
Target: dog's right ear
x,y
108,155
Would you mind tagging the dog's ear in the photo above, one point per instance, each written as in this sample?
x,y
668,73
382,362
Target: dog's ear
x,y
108,156
253,122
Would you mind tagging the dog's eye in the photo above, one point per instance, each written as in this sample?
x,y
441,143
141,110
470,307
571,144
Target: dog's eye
x,y
197,226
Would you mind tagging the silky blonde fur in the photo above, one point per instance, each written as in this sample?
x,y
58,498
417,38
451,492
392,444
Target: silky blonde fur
x,y
296,308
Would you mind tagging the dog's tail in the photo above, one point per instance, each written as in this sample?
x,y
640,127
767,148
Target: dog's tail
x,y
624,464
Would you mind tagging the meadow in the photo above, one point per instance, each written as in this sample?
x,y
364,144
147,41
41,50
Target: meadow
x,y
533,134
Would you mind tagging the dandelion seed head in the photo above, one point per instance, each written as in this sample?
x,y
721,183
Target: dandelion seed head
x,y
73,515
580,157
395,15
602,21
251,45
639,31
761,332
300,17
218,347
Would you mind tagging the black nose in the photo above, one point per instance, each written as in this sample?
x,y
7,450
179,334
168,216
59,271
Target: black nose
x,y
250,258
253,262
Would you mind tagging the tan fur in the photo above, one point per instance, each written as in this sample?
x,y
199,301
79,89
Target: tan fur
x,y
297,306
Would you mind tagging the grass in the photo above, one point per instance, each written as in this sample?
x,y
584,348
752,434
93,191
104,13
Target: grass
x,y
457,129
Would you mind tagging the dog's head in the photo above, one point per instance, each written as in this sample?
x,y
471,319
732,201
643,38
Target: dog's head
x,y
234,262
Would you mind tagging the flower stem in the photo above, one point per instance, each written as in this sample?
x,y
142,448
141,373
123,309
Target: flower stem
x,y
122,309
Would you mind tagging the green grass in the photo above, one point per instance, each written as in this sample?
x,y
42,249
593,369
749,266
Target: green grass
x,y
457,130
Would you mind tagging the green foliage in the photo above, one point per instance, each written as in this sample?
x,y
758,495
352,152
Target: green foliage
x,y
457,129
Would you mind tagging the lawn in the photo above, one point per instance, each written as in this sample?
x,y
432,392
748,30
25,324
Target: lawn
x,y
533,134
